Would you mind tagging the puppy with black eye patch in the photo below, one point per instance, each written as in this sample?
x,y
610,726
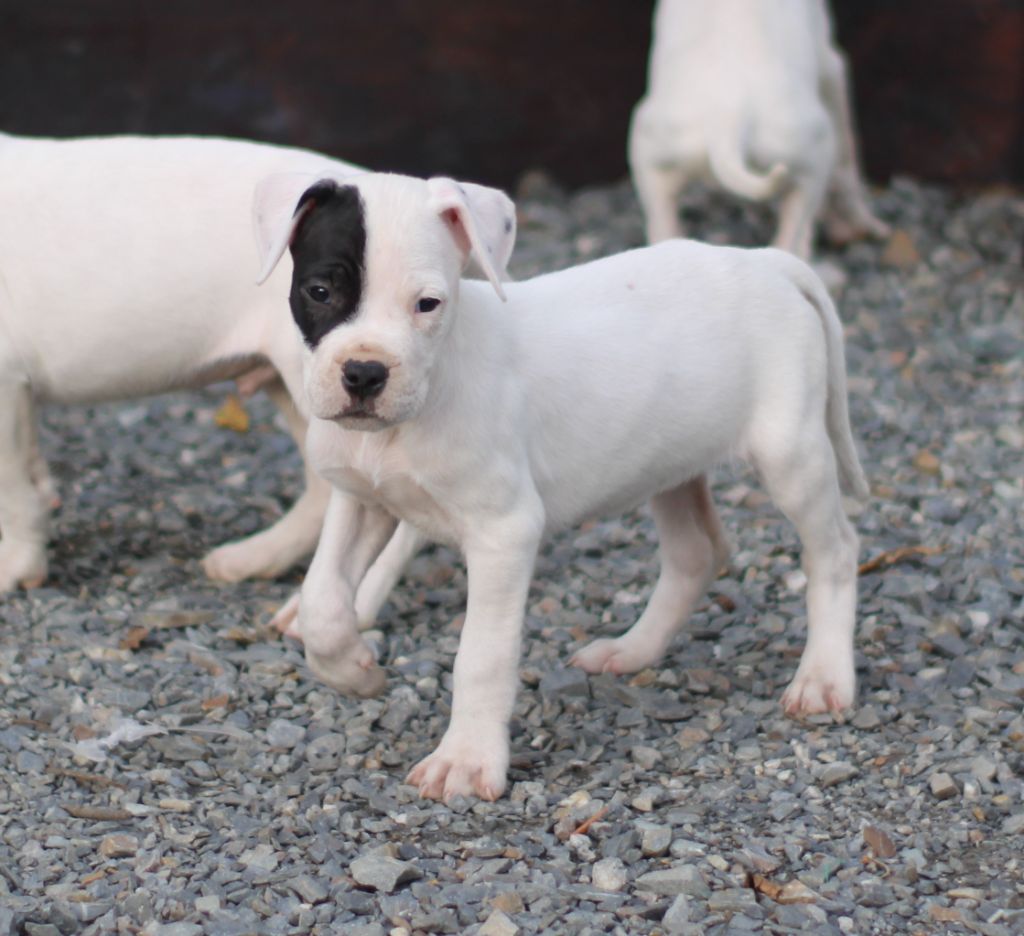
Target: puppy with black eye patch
x,y
490,405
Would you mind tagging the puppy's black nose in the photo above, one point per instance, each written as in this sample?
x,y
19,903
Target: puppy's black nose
x,y
364,379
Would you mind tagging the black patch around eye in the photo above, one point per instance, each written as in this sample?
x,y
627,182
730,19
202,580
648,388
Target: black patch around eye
x,y
329,246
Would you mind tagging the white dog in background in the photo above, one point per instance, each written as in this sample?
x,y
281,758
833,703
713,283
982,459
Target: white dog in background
x,y
127,267
752,95
490,415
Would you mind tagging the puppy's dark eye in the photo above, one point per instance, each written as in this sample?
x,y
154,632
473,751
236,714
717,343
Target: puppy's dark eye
x,y
318,293
427,305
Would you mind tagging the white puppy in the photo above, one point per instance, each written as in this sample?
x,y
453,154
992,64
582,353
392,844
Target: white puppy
x,y
128,267
490,415
755,97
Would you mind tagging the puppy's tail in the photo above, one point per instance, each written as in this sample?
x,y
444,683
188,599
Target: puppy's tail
x,y
725,154
837,415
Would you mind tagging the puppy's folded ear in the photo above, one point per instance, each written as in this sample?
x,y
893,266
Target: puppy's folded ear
x,y
280,203
482,221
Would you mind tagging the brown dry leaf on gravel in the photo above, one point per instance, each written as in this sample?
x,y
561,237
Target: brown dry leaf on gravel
x,y
216,702
133,638
893,556
789,893
879,842
232,415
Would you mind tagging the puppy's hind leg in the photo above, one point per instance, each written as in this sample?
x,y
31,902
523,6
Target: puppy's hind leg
x,y
801,478
849,216
693,549
658,182
798,213
24,507
276,549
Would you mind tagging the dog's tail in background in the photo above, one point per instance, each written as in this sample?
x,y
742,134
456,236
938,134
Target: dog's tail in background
x,y
837,414
726,156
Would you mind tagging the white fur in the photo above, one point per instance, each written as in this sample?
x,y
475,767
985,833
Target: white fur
x,y
128,267
587,392
753,96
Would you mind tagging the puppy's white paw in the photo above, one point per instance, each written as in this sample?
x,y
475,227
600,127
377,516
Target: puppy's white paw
x,y
612,656
286,620
235,562
350,668
21,564
820,687
465,763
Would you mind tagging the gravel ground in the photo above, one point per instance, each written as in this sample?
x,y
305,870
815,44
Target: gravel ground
x,y
678,801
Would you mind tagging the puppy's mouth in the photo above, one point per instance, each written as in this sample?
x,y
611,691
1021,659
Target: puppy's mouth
x,y
359,416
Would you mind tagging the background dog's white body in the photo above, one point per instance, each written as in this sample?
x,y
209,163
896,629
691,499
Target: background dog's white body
x,y
754,97
127,267
588,391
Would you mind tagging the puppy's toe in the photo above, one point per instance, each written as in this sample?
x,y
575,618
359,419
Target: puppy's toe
x,y
21,565
463,766
286,620
819,689
352,670
610,656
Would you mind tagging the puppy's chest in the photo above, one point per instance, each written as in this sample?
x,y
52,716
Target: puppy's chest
x,y
391,483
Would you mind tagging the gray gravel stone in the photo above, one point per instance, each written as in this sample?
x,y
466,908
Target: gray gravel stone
x,y
383,873
609,874
680,879
284,734
942,785
837,772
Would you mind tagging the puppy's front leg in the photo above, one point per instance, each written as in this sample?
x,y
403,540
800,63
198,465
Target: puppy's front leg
x,y
472,758
353,536
24,495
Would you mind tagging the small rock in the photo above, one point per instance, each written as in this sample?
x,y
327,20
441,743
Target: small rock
x,y
837,772
282,733
308,888
795,892
568,681
735,900
508,901
498,924
646,758
325,753
118,846
678,915
174,804
609,874
262,858
208,903
983,768
1014,824
691,736
866,718
654,839
942,785
383,873
681,879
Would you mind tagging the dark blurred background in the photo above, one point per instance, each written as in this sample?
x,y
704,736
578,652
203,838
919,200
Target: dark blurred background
x,y
482,89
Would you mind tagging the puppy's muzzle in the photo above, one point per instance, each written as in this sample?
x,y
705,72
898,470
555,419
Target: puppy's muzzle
x,y
364,380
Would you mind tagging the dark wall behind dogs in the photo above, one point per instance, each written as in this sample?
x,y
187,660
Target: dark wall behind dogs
x,y
483,89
